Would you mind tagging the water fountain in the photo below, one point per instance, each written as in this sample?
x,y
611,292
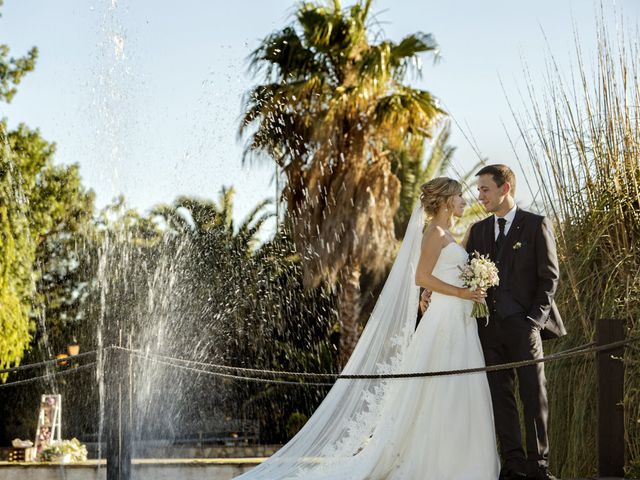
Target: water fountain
x,y
159,291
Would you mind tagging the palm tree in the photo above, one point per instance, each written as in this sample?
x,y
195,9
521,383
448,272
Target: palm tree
x,y
332,111
217,252
413,169
205,219
216,260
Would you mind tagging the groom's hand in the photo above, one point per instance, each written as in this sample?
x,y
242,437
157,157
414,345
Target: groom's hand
x,y
425,299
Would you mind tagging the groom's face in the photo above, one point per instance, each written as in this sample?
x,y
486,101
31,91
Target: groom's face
x,y
490,194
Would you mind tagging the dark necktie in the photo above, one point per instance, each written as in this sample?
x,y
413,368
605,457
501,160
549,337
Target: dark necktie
x,y
500,240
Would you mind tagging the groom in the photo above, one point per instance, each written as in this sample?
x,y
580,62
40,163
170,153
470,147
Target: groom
x,y
522,313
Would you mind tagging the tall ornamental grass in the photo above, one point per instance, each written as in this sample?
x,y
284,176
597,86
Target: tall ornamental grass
x,y
582,138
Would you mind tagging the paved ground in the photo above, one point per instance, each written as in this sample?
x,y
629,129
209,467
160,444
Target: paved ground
x,y
149,468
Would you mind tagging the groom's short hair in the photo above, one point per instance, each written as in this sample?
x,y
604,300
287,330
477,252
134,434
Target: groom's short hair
x,y
501,174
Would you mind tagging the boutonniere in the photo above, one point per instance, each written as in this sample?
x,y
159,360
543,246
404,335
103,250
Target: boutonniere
x,y
517,246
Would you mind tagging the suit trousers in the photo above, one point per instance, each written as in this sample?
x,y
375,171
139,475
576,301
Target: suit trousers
x,y
511,339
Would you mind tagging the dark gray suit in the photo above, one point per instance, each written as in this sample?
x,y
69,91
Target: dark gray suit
x,y
528,270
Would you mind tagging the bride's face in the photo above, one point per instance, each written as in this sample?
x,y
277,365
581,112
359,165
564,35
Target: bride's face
x,y
457,205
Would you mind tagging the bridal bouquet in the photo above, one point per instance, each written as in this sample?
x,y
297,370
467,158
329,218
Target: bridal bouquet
x,y
479,273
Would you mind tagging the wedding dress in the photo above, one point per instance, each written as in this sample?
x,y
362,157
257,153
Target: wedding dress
x,y
436,428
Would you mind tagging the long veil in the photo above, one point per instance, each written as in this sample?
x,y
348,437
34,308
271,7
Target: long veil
x,y
347,417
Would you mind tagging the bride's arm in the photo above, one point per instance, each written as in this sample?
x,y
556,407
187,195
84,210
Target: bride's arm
x,y
432,244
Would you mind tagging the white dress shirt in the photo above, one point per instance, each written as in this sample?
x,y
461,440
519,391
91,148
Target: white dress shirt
x,y
509,216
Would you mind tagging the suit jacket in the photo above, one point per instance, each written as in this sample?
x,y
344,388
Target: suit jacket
x,y
528,267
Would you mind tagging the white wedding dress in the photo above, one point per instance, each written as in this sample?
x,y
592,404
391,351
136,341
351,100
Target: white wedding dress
x,y
429,428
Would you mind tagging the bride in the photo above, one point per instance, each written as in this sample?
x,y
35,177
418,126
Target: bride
x,y
438,428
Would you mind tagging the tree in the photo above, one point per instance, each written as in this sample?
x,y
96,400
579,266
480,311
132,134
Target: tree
x,y
413,169
16,252
60,214
214,267
204,218
333,109
45,211
16,259
13,69
249,297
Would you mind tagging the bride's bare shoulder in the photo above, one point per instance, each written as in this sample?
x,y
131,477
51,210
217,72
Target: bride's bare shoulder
x,y
434,235
434,230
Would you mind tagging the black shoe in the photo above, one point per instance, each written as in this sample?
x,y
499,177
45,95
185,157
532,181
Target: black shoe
x,y
543,473
512,475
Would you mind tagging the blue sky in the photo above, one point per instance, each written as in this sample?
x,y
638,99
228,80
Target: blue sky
x,y
146,95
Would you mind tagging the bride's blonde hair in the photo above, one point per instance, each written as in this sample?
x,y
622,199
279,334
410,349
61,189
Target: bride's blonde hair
x,y
436,193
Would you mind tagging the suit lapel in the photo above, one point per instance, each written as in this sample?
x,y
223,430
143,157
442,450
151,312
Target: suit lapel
x,y
489,237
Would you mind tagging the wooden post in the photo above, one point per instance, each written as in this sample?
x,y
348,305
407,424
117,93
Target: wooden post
x,y
111,414
125,416
118,411
610,395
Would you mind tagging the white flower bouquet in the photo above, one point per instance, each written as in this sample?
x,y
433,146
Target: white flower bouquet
x,y
480,273
64,451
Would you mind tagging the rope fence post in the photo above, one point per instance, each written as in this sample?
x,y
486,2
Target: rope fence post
x,y
126,444
610,394
111,413
118,411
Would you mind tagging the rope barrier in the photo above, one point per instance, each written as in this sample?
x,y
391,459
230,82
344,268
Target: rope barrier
x,y
591,347
49,375
230,368
277,373
235,377
488,368
29,366
183,364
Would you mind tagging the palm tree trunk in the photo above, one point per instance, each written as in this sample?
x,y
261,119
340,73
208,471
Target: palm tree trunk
x,y
349,310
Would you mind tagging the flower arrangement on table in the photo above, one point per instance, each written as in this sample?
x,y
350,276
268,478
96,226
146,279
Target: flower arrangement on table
x,y
64,451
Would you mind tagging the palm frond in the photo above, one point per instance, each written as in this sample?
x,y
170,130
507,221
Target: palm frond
x,y
251,216
468,176
212,223
409,110
173,219
283,53
441,153
375,62
247,235
406,53
225,207
318,25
